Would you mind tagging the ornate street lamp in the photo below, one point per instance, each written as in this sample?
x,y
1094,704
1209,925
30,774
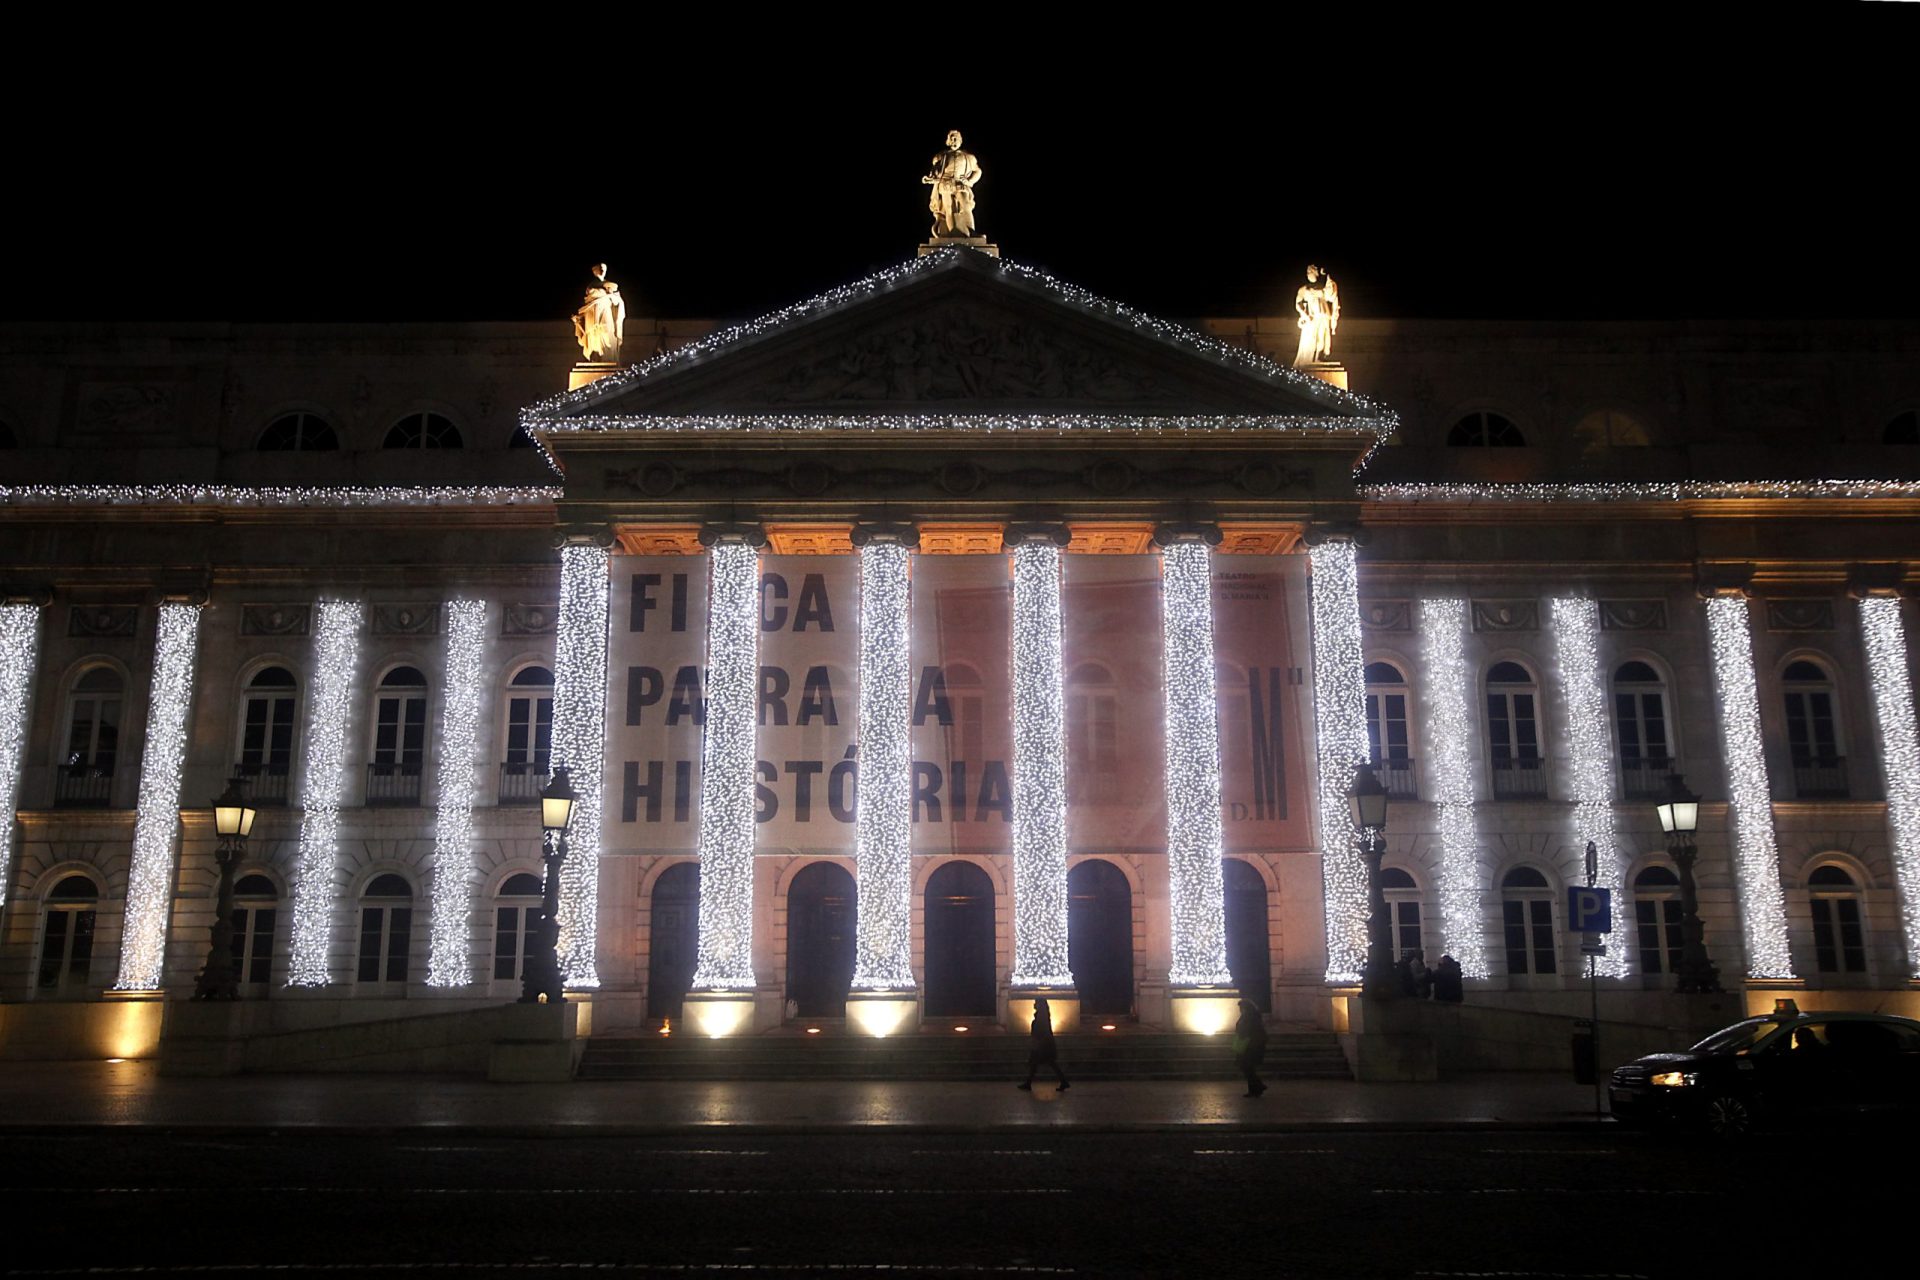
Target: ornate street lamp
x,y
233,823
540,974
1679,817
1367,802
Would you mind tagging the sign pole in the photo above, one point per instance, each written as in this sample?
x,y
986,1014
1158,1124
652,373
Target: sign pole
x,y
1593,991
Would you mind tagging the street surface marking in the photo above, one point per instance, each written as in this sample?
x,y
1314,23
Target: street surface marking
x,y
1263,1151
956,1151
700,1151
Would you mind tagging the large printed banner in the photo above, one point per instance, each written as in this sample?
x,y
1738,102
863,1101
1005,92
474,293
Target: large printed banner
x,y
962,731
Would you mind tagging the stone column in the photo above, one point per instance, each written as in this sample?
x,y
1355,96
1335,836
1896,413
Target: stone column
x,y
19,659
1884,635
1340,727
1586,706
323,766
580,741
1452,746
450,932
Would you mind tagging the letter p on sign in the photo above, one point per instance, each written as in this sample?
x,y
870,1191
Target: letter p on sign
x,y
1590,910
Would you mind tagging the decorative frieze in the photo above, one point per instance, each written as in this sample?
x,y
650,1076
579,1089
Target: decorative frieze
x,y
810,539
529,619
962,539
406,619
276,619
1506,615
1386,615
1633,615
1799,615
103,621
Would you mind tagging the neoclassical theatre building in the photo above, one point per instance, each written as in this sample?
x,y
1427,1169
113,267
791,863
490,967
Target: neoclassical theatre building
x,y
949,637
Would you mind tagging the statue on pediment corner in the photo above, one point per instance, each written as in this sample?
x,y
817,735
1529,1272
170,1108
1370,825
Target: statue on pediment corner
x,y
1316,305
600,325
952,175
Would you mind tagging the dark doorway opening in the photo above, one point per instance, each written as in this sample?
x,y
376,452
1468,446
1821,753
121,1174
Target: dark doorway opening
x,y
1100,937
674,948
959,928
820,940
1248,957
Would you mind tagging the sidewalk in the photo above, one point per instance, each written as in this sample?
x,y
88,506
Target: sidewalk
x,y
37,1096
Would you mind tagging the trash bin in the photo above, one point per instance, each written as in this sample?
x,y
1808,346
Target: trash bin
x,y
1583,1051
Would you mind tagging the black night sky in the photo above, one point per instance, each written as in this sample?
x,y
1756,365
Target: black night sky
x,y
1534,162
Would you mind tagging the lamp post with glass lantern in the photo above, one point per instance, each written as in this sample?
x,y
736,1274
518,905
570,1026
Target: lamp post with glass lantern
x,y
1367,802
540,974
1679,817
233,823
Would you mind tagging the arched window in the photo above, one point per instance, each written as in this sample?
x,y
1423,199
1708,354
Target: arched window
x,y
256,907
1093,734
399,738
1813,731
1610,429
298,432
66,938
516,925
1839,935
1389,744
1640,722
386,932
1526,910
266,735
1485,430
422,431
84,779
529,735
1656,912
1902,428
1513,733
1403,913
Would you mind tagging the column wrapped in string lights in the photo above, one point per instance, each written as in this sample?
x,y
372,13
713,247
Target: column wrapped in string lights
x,y
883,808
1887,668
1340,721
580,744
727,755
336,658
1756,857
1194,840
1450,755
19,657
1576,640
156,825
1039,761
449,958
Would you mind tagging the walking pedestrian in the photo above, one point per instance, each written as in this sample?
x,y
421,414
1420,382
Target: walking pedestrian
x,y
1250,1046
1447,981
1043,1049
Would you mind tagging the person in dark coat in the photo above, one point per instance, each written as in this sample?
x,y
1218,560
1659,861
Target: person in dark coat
x,y
1043,1049
1447,981
1250,1046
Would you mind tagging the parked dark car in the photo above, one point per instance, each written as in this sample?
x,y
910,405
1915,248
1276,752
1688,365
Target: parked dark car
x,y
1787,1067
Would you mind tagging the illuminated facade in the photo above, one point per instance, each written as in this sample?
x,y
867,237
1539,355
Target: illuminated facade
x,y
954,636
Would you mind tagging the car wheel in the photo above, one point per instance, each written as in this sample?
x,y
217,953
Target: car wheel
x,y
1728,1116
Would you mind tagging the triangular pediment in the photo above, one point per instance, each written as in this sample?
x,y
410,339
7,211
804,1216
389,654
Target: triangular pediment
x,y
958,334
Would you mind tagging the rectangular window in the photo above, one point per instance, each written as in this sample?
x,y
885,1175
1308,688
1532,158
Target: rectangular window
x,y
506,943
1514,918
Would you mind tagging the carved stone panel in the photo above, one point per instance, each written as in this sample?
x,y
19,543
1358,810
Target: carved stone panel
x,y
406,619
660,540
103,621
1633,615
810,539
276,619
530,620
1386,615
1104,539
962,539
1506,615
1258,539
1799,615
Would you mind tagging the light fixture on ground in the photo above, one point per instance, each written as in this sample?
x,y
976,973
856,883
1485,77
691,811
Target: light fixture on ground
x,y
1367,801
232,823
540,975
1679,818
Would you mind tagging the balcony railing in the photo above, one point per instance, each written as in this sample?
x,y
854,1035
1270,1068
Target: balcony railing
x,y
1644,777
521,780
266,783
1397,776
1820,777
1519,779
393,784
83,786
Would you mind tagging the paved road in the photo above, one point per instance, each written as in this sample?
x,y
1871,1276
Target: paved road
x,y
1504,1202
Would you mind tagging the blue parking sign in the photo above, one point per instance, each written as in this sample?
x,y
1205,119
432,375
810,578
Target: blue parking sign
x,y
1590,910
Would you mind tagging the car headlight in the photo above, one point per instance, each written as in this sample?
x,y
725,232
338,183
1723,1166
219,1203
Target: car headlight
x,y
1676,1079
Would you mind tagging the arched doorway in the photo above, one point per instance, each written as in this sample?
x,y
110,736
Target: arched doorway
x,y
1100,936
959,923
673,939
820,940
1248,959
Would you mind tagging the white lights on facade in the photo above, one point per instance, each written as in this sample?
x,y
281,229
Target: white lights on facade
x,y
1451,740
883,809
727,780
580,743
449,961
1887,667
1638,490
234,495
1756,859
1576,639
1039,772
156,827
19,651
1193,768
336,656
1340,719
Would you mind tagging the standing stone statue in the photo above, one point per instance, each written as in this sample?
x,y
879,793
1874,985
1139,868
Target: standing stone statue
x,y
1317,304
952,176
600,324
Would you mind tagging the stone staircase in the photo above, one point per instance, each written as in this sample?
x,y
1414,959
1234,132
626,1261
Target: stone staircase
x,y
993,1055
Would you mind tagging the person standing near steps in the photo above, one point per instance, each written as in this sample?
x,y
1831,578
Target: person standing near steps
x,y
1043,1049
1250,1046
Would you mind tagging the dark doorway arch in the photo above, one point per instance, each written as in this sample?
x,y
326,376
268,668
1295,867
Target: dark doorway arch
x,y
673,948
961,974
1248,958
1100,936
820,906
